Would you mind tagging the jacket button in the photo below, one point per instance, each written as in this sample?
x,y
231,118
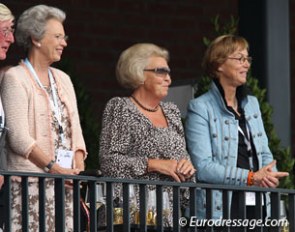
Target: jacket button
x,y
218,208
214,135
226,138
226,122
255,115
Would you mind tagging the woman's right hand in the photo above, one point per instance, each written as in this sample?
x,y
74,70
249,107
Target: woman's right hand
x,y
170,168
267,178
57,169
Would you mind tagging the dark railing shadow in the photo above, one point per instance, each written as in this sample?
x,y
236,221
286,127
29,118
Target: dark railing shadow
x,y
181,222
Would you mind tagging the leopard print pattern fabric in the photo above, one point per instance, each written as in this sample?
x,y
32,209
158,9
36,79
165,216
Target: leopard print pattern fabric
x,y
128,139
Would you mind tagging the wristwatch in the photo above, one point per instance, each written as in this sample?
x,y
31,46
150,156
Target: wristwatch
x,y
49,166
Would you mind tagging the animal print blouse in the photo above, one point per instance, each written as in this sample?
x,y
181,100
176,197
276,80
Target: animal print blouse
x,y
128,139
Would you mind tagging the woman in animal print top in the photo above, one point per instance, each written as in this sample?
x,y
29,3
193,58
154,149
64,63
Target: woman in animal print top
x,y
142,137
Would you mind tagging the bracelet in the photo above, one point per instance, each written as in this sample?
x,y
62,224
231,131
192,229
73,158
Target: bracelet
x,y
49,166
250,180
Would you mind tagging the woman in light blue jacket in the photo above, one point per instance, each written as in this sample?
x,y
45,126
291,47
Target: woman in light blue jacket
x,y
224,129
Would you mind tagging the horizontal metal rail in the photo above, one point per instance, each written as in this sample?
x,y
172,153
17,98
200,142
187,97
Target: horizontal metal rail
x,y
111,223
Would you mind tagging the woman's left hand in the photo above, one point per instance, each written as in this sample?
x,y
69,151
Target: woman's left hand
x,y
185,169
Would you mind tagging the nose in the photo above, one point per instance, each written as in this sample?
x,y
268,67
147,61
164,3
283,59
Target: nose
x,y
64,42
168,78
10,37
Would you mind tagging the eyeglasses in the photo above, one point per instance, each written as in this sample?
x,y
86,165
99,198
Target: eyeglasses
x,y
7,31
159,71
242,59
61,37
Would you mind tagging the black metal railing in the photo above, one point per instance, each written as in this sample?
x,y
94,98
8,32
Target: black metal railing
x,y
96,224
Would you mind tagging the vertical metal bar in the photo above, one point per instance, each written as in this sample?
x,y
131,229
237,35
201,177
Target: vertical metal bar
x,y
59,187
291,217
242,206
258,209
77,209
176,208
225,207
25,204
92,198
143,211
159,197
209,207
275,208
193,208
42,201
126,208
7,207
110,207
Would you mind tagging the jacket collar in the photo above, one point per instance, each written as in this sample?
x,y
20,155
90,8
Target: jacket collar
x,y
218,92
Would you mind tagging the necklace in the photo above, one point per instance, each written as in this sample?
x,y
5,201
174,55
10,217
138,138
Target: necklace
x,y
143,107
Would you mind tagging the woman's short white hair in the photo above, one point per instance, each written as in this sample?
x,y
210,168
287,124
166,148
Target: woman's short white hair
x,y
5,13
133,61
32,23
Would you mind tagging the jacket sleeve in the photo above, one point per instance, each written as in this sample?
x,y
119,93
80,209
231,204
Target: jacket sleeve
x,y
15,100
199,142
116,141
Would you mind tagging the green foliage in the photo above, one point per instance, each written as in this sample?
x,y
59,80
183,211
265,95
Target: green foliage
x,y
89,123
283,155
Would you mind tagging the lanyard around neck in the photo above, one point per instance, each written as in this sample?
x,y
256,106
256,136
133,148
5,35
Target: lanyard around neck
x,y
247,141
54,103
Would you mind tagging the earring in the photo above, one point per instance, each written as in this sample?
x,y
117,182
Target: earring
x,y
38,45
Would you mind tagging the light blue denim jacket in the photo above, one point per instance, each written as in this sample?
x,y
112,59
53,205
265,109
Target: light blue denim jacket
x,y
212,138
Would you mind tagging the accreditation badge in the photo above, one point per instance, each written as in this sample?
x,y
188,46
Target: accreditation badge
x,y
65,158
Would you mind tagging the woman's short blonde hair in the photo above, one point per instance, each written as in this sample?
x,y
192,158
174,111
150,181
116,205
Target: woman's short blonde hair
x,y
5,13
133,61
219,50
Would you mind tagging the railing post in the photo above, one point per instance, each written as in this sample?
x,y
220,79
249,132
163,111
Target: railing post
x,y
59,187
77,209
176,208
275,209
126,208
258,209
25,204
193,208
42,201
291,217
92,198
225,206
7,207
110,207
142,202
209,207
159,197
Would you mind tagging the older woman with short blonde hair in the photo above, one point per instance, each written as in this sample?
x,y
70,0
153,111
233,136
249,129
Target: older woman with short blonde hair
x,y
142,137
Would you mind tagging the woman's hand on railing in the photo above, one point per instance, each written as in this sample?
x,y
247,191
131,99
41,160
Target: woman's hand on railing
x,y
179,171
266,177
185,169
57,169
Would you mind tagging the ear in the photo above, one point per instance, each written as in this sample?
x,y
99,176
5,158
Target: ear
x,y
36,43
220,69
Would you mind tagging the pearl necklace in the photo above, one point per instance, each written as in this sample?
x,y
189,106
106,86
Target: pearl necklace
x,y
143,107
